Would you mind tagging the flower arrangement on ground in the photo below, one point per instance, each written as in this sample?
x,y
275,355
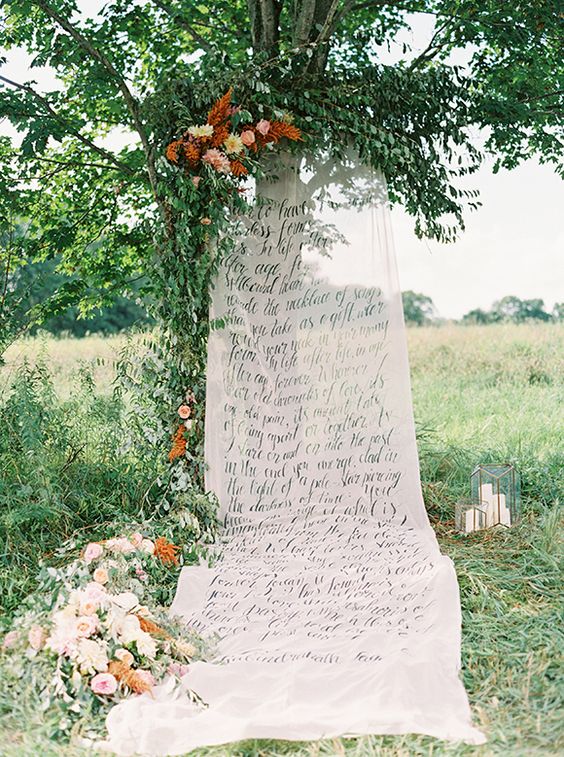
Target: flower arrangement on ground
x,y
94,635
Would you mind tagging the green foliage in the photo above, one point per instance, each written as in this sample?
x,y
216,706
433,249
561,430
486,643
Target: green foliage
x,y
76,466
511,309
418,308
474,401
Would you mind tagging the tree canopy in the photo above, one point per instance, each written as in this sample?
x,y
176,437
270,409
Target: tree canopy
x,y
130,73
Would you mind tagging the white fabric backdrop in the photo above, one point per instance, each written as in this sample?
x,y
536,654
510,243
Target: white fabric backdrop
x,y
334,610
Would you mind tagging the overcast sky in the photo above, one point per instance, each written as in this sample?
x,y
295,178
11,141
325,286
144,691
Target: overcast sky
x,y
514,244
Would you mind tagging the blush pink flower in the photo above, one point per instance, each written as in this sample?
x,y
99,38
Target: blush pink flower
x,y
104,683
177,669
10,640
124,655
136,539
36,637
146,676
148,546
184,411
248,137
92,552
263,127
196,181
140,573
86,625
217,160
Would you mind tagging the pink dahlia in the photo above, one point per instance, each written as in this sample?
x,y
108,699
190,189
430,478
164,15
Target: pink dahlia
x,y
217,159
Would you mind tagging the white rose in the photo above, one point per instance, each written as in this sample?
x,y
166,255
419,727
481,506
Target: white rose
x,y
146,645
147,546
126,600
129,629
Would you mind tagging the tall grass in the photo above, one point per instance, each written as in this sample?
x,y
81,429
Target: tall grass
x,y
481,394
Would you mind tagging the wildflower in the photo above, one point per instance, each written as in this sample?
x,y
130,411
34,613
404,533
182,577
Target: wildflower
x,y
248,137
205,221
92,552
188,424
217,160
100,575
36,637
263,127
201,131
185,648
140,573
166,551
196,181
233,144
184,411
104,683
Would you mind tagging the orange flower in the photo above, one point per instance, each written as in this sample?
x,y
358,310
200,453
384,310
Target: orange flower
x,y
238,169
172,151
149,627
131,678
191,153
279,129
178,444
220,110
220,134
166,551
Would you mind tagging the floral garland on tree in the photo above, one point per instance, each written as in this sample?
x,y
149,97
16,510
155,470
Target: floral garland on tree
x,y
216,157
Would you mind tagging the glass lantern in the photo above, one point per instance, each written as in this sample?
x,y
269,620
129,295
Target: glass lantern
x,y
496,488
470,516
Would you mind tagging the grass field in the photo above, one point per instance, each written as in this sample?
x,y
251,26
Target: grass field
x,y
481,394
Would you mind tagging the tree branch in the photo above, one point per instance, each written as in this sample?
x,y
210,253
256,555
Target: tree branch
x,y
181,20
81,138
130,101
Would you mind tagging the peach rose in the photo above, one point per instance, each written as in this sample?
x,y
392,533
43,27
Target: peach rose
x,y
205,221
248,137
184,411
124,655
100,575
88,607
136,539
104,683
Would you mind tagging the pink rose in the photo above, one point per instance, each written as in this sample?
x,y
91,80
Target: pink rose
x,y
263,127
10,640
140,573
93,551
184,411
136,539
104,683
36,637
196,181
248,137
88,607
86,625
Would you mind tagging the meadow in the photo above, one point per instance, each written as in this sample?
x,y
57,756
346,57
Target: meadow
x,y
481,394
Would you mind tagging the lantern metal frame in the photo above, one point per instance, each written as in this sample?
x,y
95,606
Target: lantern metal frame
x,y
505,483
